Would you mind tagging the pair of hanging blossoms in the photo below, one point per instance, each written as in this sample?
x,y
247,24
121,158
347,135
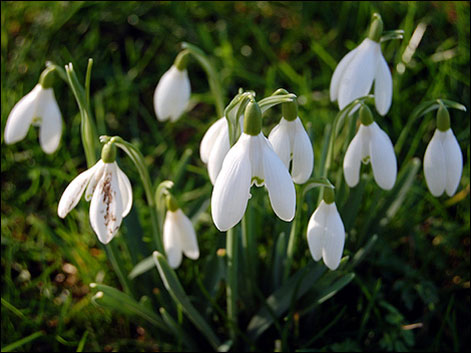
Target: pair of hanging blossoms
x,y
39,108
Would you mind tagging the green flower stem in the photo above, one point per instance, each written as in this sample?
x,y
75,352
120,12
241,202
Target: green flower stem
x,y
292,242
117,265
249,246
138,160
231,285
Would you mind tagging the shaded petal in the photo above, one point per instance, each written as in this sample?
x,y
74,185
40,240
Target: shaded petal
x,y
316,230
278,182
358,77
97,175
435,164
172,94
74,191
218,153
187,233
209,138
279,138
125,189
334,238
303,155
106,207
50,130
337,76
454,162
171,239
21,116
353,157
383,158
231,190
383,86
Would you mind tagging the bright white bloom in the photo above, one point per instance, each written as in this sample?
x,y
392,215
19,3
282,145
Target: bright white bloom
x,y
38,107
371,144
110,193
443,163
179,236
355,73
215,145
326,235
291,142
251,160
172,94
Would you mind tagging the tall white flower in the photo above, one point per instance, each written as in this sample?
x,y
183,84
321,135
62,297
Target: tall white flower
x,y
172,93
251,160
443,160
215,145
110,192
179,236
291,143
370,144
326,233
355,73
38,107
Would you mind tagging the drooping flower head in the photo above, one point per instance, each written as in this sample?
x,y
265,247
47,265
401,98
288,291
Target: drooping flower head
x,y
251,160
292,144
326,232
173,91
356,72
39,108
109,191
179,235
443,160
370,144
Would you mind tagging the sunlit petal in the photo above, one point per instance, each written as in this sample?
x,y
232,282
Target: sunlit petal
x,y
316,230
125,189
280,140
50,130
209,138
383,86
454,162
435,164
334,238
187,233
338,73
171,239
353,157
303,155
383,158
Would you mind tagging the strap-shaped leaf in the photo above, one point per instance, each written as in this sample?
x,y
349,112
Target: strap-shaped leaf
x,y
142,267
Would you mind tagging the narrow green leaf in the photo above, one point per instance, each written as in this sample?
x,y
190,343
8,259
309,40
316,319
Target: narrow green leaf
x,y
23,341
178,331
142,267
82,342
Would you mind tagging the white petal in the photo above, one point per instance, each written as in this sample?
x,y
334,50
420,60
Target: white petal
x,y
358,76
334,238
353,157
50,130
74,191
99,168
125,189
106,207
383,158
231,190
218,153
303,156
454,162
278,182
187,233
21,116
280,141
209,138
383,86
337,76
435,164
172,94
171,239
316,230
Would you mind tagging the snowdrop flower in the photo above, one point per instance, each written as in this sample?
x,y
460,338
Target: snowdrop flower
x,y
370,144
215,145
172,93
443,160
179,235
251,160
326,233
291,143
38,107
110,193
355,73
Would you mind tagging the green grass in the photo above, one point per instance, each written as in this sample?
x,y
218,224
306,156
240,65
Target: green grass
x,y
417,269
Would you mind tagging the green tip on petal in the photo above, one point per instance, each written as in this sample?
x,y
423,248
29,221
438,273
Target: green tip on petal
x,y
290,110
443,118
181,61
366,117
47,77
376,28
172,204
108,153
252,119
329,195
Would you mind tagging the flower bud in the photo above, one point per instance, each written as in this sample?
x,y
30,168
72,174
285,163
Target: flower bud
x,y
376,28
108,153
366,117
329,195
443,118
290,110
252,119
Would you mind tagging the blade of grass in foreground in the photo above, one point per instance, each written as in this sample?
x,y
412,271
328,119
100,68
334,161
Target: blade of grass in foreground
x,y
23,341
